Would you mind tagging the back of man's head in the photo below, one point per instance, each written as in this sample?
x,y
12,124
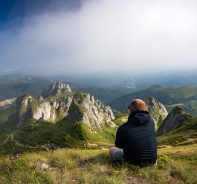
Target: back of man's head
x,y
138,104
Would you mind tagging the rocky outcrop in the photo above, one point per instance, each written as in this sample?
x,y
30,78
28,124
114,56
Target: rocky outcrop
x,y
50,110
55,89
90,111
42,111
22,106
64,104
156,109
176,118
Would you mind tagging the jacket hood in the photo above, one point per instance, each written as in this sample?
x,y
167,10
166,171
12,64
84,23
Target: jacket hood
x,y
139,117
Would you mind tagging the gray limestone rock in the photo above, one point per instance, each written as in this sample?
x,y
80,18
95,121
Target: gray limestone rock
x,y
156,109
56,89
78,105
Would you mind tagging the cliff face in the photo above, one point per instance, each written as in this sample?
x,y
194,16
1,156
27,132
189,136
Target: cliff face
x,y
156,109
49,109
22,104
91,111
175,118
59,102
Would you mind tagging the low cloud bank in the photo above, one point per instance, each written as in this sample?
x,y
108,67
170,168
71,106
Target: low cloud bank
x,y
104,35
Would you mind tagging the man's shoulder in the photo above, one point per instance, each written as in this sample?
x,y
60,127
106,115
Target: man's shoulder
x,y
123,125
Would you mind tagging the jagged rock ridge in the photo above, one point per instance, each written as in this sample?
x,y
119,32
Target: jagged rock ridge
x,y
156,109
55,89
59,102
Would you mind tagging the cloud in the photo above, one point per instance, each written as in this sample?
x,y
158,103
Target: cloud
x,y
105,35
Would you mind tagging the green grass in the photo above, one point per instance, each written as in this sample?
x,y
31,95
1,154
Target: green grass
x,y
176,162
41,132
5,113
95,166
66,133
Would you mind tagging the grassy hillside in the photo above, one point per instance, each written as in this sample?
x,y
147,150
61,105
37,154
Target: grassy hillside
x,y
70,133
5,113
90,162
175,165
66,133
46,135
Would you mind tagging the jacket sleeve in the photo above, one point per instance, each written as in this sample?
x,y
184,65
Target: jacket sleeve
x,y
119,142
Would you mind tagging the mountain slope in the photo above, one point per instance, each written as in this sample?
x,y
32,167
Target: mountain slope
x,y
184,95
62,119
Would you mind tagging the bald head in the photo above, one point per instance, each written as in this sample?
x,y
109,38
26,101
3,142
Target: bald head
x,y
138,104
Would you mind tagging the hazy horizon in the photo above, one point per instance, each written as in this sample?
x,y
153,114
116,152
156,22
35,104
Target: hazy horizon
x,y
97,36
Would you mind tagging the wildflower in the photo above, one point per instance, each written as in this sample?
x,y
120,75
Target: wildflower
x,y
17,155
12,157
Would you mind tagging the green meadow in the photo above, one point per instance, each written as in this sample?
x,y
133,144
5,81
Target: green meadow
x,y
175,165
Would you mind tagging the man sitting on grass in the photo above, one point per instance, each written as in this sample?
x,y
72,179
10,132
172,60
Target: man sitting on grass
x,y
136,139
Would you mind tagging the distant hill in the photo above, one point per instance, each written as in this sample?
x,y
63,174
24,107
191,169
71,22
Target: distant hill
x,y
104,94
131,80
184,96
14,85
180,78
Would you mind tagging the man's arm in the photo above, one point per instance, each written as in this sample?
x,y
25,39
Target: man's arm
x,y
119,142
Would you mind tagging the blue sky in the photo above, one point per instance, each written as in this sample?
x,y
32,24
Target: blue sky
x,y
44,37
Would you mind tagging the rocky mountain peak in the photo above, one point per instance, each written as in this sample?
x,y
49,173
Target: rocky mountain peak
x,y
175,118
78,105
92,112
56,89
156,109
23,101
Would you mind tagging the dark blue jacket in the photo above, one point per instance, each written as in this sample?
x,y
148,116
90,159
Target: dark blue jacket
x,y
137,138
